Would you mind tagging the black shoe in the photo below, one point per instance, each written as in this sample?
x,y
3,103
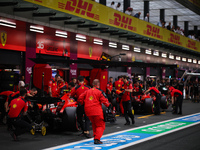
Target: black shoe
x,y
82,134
87,135
156,113
14,136
127,123
97,141
180,113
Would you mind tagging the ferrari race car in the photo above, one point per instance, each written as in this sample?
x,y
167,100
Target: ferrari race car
x,y
145,103
53,113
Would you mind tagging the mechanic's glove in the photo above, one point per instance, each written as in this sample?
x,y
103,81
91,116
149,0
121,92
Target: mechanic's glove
x,y
121,89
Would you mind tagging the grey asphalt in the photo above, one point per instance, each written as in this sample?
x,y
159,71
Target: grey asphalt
x,y
186,139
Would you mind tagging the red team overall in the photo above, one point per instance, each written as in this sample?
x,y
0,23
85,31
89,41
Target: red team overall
x,y
178,101
76,92
18,107
109,89
126,100
92,100
53,86
118,86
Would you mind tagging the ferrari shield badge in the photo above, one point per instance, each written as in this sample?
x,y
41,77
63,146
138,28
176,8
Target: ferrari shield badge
x,y
3,38
90,51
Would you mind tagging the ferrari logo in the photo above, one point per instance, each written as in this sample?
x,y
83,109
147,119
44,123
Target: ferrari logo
x,y
119,85
90,51
15,105
82,87
91,98
133,58
3,38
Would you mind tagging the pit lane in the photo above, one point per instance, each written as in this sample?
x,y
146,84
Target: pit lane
x,y
183,139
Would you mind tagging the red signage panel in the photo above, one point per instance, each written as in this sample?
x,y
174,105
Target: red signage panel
x,y
89,51
52,45
13,38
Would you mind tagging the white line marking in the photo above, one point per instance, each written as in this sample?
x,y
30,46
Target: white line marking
x,y
136,142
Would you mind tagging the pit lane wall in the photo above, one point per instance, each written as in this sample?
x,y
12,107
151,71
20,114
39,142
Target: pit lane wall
x,y
96,12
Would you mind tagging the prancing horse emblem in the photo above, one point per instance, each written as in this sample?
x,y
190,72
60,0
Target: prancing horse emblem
x,y
3,38
90,51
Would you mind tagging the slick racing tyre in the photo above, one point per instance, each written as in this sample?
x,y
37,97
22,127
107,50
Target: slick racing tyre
x,y
69,119
114,102
164,102
149,105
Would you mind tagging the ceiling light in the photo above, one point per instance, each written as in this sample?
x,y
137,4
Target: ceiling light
x,y
36,29
194,61
61,34
178,58
199,62
80,37
164,55
138,50
148,52
125,47
156,53
183,59
112,44
98,41
189,60
7,23
171,56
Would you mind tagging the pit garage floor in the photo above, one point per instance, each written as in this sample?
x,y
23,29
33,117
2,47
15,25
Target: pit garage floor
x,y
184,139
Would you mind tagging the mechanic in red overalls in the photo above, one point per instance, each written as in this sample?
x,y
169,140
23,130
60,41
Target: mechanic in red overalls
x,y
109,88
53,86
76,92
18,108
4,95
177,99
137,87
126,100
92,100
155,92
118,86
9,99
31,93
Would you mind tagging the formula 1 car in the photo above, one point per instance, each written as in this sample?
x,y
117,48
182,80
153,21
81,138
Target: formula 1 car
x,y
54,113
145,103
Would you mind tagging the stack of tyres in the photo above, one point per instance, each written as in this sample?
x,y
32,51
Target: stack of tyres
x,y
6,81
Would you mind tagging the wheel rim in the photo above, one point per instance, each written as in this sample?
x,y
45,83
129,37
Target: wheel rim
x,y
152,107
167,103
43,130
33,130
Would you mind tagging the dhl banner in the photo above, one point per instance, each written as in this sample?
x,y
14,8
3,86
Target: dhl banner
x,y
96,12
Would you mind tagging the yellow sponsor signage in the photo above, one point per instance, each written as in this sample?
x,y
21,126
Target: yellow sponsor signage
x,y
96,12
